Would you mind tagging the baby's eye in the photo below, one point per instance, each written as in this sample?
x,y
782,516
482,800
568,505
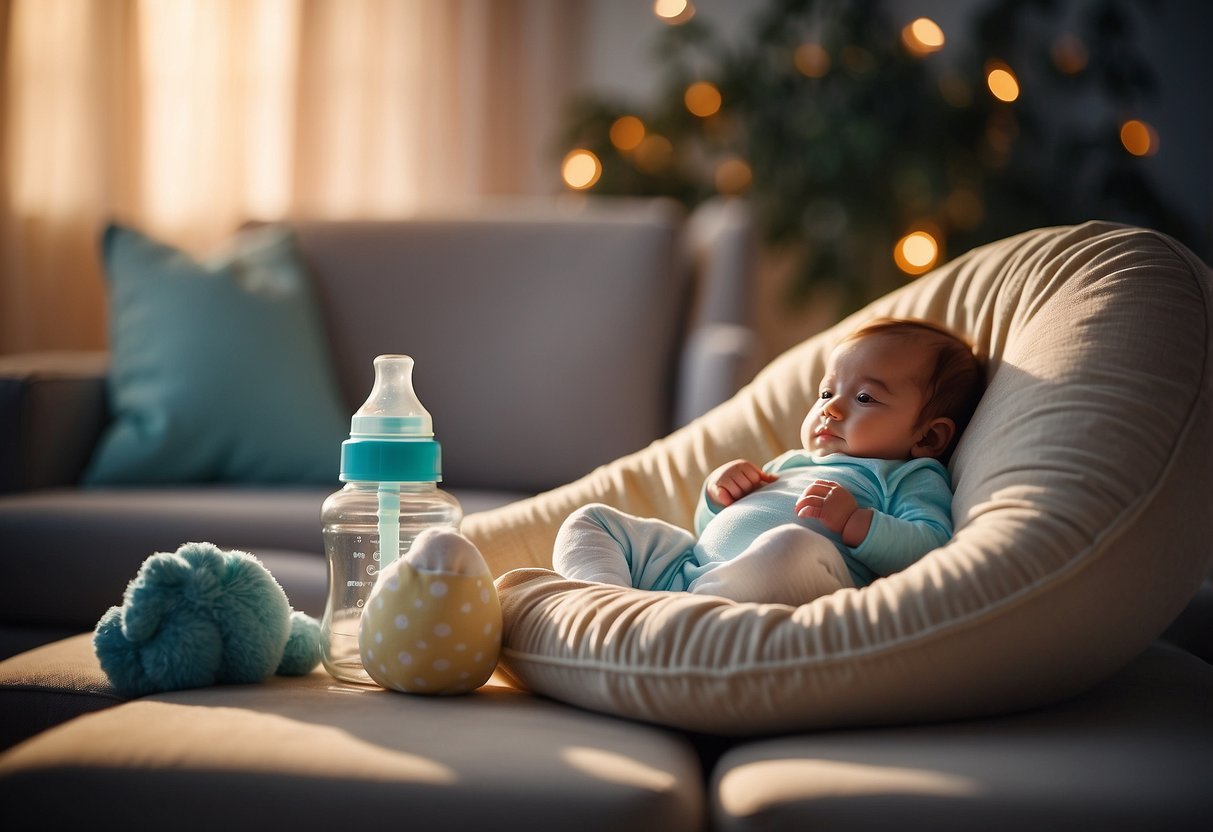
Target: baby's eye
x,y
826,394
864,398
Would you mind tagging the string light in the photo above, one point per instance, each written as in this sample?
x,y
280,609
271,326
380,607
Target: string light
x,y
627,132
922,37
702,99
916,252
1139,138
1002,81
580,169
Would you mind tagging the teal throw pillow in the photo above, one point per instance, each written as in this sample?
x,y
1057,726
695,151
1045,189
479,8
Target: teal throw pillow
x,y
219,369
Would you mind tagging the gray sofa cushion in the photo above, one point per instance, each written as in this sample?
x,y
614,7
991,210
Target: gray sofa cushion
x,y
309,753
52,411
1134,753
51,684
71,552
78,549
542,344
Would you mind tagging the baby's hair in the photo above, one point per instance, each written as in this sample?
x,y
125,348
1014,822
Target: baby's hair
x,y
956,378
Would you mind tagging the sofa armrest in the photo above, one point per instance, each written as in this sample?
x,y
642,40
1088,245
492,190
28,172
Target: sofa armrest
x,y
52,411
721,352
716,361
721,245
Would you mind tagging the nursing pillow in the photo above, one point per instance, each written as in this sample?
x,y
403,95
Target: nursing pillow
x,y
1082,509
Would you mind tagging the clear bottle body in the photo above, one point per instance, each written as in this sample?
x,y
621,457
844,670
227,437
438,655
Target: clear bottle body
x,y
351,543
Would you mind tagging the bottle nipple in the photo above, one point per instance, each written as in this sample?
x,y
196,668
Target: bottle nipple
x,y
392,410
391,435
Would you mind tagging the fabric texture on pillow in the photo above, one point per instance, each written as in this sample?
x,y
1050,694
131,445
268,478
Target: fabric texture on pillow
x,y
1081,508
219,370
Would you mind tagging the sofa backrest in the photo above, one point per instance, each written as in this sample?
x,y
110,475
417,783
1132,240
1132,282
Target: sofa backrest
x,y
546,337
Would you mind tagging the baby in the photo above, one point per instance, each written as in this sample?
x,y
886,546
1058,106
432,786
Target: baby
x,y
865,497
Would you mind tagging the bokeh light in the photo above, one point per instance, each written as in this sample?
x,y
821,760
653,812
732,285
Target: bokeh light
x,y
1002,81
955,89
812,60
916,252
580,169
653,154
1069,55
964,209
1001,133
733,176
674,12
702,99
1139,138
922,37
627,132
858,60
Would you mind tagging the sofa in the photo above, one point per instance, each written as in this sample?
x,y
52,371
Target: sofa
x,y
1048,667
580,331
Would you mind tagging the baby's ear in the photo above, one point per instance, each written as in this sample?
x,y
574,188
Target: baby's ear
x,y
936,437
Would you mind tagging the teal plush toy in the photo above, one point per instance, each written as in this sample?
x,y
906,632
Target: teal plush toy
x,y
202,616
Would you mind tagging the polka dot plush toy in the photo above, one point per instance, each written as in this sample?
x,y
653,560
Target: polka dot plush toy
x,y
432,624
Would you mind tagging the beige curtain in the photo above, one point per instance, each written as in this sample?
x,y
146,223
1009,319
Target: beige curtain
x,y
188,117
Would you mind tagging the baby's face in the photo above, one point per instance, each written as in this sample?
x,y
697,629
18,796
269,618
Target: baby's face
x,y
870,400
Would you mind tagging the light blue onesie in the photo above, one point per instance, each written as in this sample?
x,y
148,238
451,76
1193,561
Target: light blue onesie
x,y
912,501
912,515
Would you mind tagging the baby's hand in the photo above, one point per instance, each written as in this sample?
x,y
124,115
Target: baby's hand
x,y
829,502
733,480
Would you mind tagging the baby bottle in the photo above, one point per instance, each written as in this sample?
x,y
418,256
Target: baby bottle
x,y
391,466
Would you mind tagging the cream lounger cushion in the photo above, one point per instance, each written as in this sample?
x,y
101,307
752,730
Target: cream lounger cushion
x,y
1082,510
